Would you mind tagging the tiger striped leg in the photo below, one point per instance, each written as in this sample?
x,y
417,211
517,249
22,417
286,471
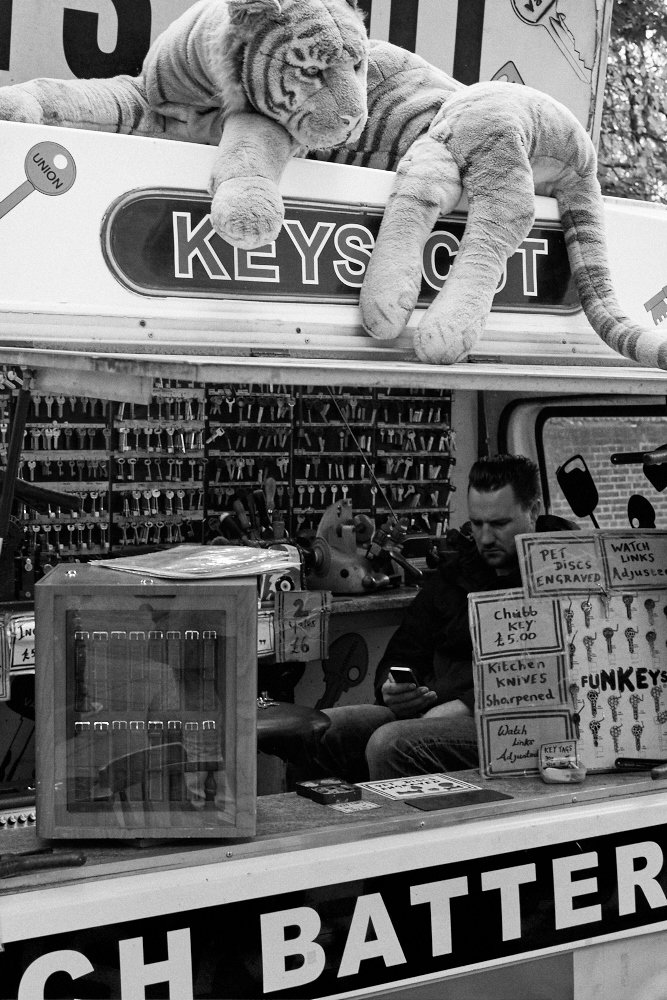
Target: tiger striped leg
x,y
247,209
427,184
500,215
582,217
117,104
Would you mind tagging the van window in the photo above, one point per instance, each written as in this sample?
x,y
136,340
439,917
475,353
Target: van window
x,y
597,433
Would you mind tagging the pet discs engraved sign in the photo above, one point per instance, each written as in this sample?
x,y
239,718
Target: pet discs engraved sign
x,y
578,562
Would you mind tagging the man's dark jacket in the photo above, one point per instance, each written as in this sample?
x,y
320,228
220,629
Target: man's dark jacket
x,y
434,637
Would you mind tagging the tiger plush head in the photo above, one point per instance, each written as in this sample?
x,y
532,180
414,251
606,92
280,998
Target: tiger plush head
x,y
300,63
263,80
310,78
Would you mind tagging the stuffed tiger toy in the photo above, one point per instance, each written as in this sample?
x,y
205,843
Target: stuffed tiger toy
x,y
266,80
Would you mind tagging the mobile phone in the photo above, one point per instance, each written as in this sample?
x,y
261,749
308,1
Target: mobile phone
x,y
403,675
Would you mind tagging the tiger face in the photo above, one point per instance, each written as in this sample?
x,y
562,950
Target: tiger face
x,y
304,64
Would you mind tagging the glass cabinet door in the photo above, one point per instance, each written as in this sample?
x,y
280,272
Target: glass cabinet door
x,y
154,699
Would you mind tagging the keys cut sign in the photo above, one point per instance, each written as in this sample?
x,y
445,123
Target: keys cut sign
x,y
163,243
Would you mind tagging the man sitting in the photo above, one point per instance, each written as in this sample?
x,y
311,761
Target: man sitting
x,y
429,726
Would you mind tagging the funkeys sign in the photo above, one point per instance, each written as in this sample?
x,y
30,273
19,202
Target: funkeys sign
x,y
163,243
361,934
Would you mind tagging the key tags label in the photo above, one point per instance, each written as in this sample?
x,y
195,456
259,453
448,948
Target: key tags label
x,y
559,763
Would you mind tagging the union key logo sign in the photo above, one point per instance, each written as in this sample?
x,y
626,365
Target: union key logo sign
x,y
49,169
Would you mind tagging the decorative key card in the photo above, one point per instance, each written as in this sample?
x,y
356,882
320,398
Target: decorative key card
x,y
577,653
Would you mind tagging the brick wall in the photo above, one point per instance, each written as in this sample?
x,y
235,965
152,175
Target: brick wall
x,y
595,439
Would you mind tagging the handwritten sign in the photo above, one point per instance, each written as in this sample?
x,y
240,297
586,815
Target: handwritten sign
x,y
617,681
635,560
554,754
511,744
22,641
591,655
564,562
302,625
507,685
520,674
577,562
17,648
507,624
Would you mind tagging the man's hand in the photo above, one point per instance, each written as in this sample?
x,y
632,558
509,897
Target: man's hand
x,y
449,710
407,701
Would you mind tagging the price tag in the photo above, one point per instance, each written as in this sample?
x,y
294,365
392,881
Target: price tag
x,y
22,641
506,625
302,625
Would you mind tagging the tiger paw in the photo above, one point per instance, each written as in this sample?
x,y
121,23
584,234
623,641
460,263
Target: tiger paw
x,y
248,212
18,106
444,344
385,317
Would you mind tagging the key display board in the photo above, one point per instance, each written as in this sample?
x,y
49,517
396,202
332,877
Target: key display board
x,y
575,654
241,462
146,705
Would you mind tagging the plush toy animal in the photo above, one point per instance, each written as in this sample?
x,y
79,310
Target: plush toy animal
x,y
500,143
282,77
266,80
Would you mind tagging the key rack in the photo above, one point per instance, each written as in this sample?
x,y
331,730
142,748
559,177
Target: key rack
x,y
157,472
155,475
386,452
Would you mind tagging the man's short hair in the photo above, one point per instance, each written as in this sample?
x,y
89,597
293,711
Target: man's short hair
x,y
492,472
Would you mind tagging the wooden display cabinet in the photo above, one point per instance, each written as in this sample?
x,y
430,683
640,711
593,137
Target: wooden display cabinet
x,y
146,698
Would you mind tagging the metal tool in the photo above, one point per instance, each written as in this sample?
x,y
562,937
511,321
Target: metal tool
x,y
338,562
653,463
639,763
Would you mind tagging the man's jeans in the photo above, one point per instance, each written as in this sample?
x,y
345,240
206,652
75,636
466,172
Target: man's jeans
x,y
367,742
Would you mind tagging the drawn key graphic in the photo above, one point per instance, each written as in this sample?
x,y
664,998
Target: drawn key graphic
x,y
49,168
545,13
